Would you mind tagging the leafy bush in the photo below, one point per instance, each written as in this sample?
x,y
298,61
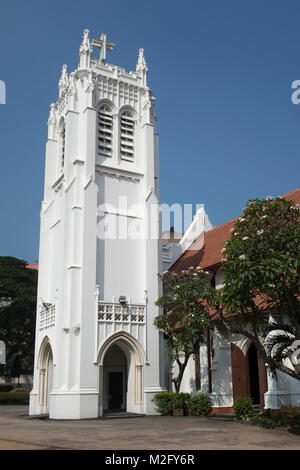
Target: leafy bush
x,y
201,404
290,416
264,421
14,398
243,407
164,402
286,416
181,400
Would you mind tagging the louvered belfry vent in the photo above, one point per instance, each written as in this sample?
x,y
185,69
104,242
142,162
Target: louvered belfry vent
x,y
105,131
127,136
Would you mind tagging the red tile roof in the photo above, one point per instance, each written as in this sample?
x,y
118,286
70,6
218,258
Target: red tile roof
x,y
32,266
209,256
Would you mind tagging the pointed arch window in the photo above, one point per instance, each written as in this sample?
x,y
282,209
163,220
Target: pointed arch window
x,y
105,131
127,135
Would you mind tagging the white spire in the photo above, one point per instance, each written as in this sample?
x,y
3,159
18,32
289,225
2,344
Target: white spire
x,y
142,67
85,50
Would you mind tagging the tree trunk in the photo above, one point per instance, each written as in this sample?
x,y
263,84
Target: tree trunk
x,y
197,366
181,365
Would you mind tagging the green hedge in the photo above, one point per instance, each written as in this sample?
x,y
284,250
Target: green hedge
x,y
200,404
14,398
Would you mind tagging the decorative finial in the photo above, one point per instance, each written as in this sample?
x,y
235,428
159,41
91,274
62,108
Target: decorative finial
x,y
64,81
85,50
51,122
52,119
142,67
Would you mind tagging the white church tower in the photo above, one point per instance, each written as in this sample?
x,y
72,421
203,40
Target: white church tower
x,y
100,246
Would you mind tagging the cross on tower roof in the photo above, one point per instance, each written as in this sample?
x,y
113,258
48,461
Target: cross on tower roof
x,y
103,46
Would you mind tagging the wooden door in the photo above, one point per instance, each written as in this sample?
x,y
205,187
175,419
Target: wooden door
x,y
240,382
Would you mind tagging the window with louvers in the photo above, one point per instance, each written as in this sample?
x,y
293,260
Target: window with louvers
x,y
127,136
105,131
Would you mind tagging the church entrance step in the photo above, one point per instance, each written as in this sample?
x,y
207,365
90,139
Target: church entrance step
x,y
257,409
45,416
120,414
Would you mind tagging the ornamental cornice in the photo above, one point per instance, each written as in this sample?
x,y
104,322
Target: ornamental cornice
x,y
118,73
119,173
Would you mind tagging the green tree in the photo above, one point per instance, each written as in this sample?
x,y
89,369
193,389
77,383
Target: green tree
x,y
185,317
261,264
18,291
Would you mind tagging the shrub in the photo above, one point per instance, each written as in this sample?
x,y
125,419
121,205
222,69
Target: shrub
x,y
181,400
201,404
243,407
14,398
164,402
290,416
264,421
286,416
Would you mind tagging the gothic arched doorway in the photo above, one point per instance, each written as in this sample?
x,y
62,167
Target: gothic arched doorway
x,y
114,379
45,366
249,377
121,361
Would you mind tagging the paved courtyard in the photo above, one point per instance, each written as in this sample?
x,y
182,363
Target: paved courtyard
x,y
17,431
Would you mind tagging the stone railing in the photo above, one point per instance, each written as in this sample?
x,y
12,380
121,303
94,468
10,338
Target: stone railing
x,y
121,313
47,316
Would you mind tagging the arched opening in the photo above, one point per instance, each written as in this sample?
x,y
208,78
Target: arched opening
x,y
249,377
258,384
127,128
115,379
253,374
45,366
121,361
105,130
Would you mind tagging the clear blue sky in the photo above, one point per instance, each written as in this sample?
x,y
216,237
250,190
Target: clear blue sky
x,y
221,71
